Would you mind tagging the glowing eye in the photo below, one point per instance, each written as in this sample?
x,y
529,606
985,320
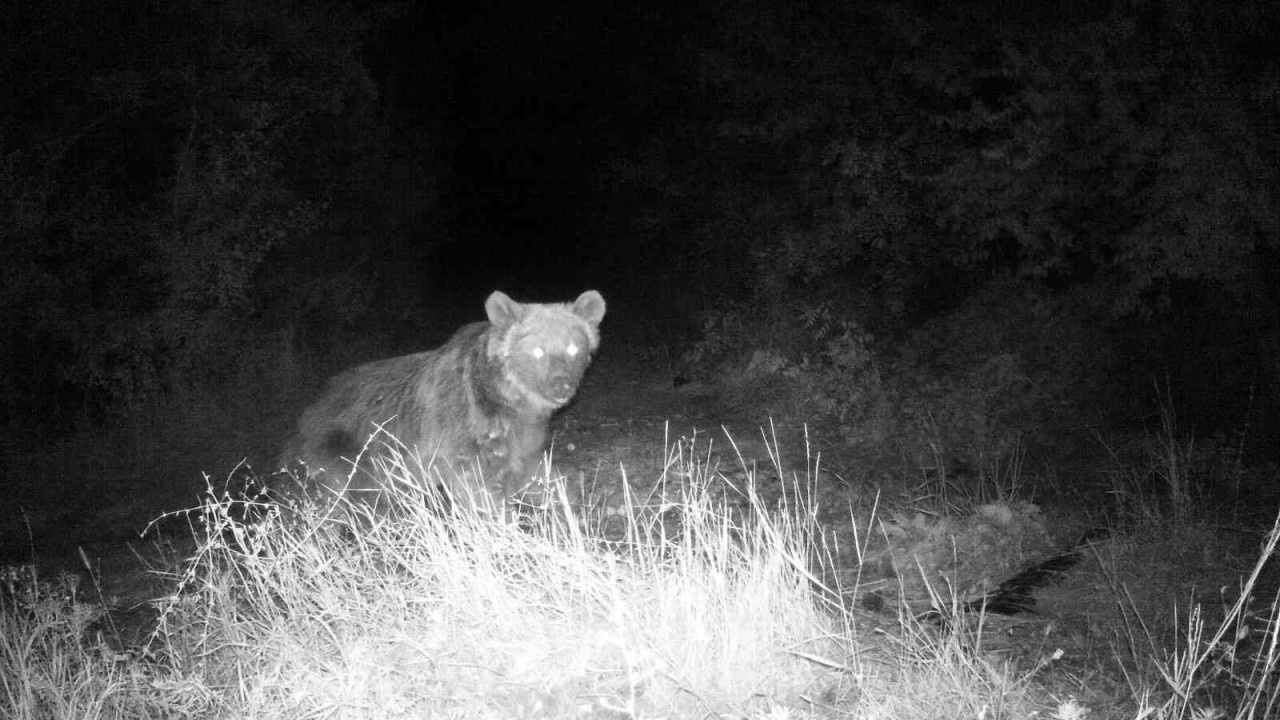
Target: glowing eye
x,y
572,350
538,353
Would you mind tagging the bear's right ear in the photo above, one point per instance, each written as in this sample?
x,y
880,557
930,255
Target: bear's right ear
x,y
502,310
590,307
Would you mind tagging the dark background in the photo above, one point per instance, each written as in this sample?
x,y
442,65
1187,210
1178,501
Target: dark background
x,y
206,207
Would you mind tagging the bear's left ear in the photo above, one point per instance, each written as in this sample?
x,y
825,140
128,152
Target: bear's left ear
x,y
502,310
590,307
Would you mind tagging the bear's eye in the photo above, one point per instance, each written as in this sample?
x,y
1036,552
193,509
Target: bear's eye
x,y
537,353
572,350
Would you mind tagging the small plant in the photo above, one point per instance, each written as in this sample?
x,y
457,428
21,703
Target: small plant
x,y
1227,668
55,659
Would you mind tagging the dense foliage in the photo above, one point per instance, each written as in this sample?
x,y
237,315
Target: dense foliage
x,y
188,191
174,179
901,161
1122,148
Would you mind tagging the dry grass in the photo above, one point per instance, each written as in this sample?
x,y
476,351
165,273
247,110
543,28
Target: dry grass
x,y
682,601
694,609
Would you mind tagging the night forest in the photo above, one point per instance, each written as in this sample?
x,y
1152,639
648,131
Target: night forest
x,y
206,208
934,235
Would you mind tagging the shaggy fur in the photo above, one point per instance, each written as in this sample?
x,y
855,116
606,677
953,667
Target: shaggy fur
x,y
475,410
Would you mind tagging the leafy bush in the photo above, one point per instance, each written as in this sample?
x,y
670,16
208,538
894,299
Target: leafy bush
x,y
1013,366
